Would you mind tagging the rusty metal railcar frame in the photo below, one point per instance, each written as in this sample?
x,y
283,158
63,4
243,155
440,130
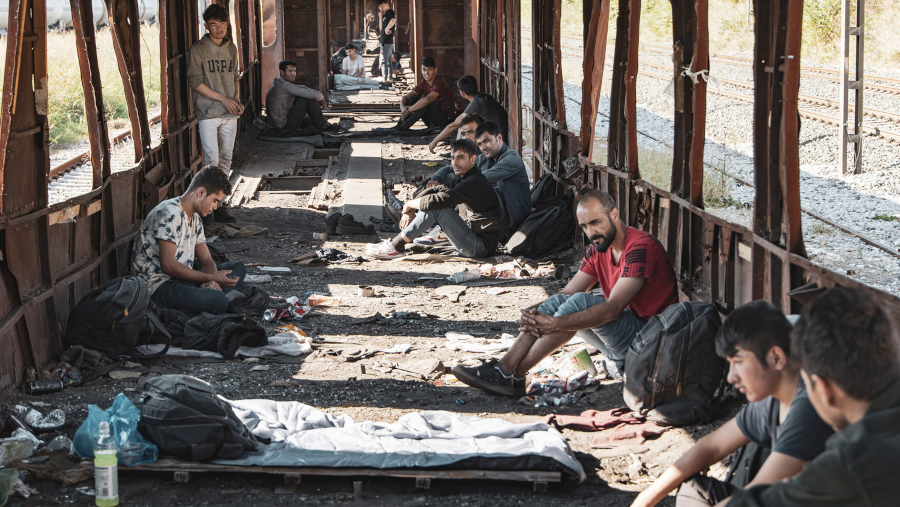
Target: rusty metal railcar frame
x,y
48,264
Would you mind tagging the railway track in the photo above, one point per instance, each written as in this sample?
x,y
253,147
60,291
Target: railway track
x,y
883,124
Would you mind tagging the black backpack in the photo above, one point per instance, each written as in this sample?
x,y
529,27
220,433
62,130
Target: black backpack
x,y
543,231
543,190
115,318
183,416
672,370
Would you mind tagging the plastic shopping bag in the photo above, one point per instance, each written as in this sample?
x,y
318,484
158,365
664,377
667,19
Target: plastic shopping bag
x,y
123,418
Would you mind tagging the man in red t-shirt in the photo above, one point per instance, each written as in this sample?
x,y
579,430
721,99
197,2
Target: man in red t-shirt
x,y
430,101
638,282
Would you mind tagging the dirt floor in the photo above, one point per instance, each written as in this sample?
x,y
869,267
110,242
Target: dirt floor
x,y
338,386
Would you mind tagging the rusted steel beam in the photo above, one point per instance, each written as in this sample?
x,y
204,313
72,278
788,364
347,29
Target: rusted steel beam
x,y
594,62
513,99
324,44
790,140
699,73
125,27
631,74
95,114
615,156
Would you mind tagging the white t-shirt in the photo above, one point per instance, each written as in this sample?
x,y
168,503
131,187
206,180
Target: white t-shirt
x,y
352,67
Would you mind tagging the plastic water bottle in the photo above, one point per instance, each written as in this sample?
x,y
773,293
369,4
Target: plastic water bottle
x,y
465,275
106,469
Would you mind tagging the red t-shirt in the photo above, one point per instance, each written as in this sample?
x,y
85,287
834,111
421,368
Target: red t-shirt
x,y
445,99
642,257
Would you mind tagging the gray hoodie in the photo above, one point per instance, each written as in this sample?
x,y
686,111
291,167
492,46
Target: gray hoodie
x,y
217,67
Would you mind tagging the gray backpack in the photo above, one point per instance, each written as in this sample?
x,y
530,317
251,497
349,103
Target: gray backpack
x,y
672,370
183,416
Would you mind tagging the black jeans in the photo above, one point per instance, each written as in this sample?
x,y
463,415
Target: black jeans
x,y
431,115
304,119
189,297
702,491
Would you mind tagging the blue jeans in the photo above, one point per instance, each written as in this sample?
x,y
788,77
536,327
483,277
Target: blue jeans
x,y
386,50
189,297
457,230
613,338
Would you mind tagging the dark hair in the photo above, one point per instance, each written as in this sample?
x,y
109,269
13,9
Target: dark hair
x,y
349,46
215,12
212,179
397,56
846,336
465,146
467,85
607,203
757,327
384,2
428,62
472,118
284,64
487,126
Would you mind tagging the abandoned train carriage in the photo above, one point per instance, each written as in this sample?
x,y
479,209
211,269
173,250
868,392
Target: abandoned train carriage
x,y
48,263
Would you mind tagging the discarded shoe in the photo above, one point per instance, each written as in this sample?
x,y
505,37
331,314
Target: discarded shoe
x,y
491,377
331,223
384,250
348,226
222,215
436,237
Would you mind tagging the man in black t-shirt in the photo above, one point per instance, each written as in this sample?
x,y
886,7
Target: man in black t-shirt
x,y
479,103
388,25
775,434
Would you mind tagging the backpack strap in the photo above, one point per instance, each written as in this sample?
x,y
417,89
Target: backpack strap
x,y
156,325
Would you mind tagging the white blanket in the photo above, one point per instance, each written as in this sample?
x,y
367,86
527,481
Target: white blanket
x,y
303,436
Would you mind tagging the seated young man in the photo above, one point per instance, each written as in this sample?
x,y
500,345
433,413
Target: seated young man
x,y
172,237
474,230
294,110
777,431
479,103
430,101
353,73
505,168
396,68
435,237
849,358
637,280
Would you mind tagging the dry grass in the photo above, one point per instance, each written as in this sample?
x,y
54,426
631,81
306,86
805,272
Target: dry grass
x,y
67,119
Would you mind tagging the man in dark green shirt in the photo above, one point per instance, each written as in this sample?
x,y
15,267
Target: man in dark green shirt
x,y
850,360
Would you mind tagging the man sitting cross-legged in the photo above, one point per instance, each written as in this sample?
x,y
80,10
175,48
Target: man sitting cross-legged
x,y
849,358
636,277
774,434
474,230
169,240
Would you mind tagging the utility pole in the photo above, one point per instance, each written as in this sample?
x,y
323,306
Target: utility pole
x,y
852,133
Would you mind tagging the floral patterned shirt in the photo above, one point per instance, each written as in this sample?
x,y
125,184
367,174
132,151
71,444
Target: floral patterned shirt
x,y
169,222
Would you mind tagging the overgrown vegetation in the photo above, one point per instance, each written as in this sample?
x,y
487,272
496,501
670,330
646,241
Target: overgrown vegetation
x,y
886,218
67,119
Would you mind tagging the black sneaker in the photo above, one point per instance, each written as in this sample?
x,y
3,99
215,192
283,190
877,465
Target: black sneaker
x,y
331,223
491,377
348,226
222,215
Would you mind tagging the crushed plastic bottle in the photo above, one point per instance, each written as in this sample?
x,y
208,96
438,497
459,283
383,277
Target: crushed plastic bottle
x,y
40,422
465,275
61,443
14,450
106,468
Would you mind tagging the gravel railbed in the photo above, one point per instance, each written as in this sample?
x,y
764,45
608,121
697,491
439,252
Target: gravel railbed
x,y
854,200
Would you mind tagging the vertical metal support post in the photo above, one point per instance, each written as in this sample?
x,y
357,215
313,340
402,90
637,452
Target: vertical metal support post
x,y
852,133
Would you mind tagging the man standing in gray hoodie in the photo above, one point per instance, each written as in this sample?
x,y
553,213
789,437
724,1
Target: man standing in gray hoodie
x,y
213,76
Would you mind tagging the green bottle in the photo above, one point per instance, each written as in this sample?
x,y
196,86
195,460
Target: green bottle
x,y
106,469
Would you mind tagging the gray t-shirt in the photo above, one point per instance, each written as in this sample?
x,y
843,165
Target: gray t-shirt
x,y
169,222
802,435
490,110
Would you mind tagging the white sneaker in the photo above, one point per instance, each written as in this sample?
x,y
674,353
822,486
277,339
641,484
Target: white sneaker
x,y
436,237
384,250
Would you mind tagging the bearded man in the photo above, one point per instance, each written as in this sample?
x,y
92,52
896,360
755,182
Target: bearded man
x,y
637,280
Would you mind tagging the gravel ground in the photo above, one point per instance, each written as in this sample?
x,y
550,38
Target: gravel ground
x,y
854,200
